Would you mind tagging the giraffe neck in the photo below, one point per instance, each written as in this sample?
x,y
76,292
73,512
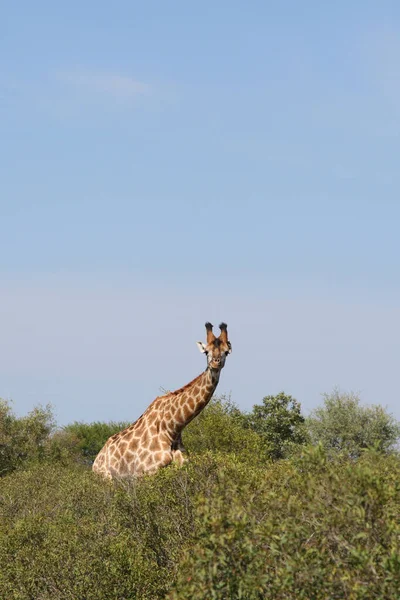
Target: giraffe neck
x,y
185,404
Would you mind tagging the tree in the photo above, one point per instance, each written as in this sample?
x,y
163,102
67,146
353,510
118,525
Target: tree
x,y
342,424
23,439
220,428
87,439
279,421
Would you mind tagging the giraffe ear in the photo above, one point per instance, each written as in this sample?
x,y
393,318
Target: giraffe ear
x,y
201,347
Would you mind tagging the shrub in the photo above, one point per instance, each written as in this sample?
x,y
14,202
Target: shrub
x,y
280,422
219,428
218,528
230,524
88,438
67,533
23,439
313,529
342,424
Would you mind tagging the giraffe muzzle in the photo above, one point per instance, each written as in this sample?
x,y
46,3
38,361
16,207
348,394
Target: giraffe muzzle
x,y
216,363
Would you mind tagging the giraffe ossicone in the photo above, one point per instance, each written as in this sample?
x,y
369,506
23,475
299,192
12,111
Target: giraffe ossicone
x,y
154,440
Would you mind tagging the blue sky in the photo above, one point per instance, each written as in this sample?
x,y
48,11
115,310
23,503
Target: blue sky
x,y
164,164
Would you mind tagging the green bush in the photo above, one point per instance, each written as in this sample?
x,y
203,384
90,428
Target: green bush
x,y
87,439
342,424
218,528
231,524
219,428
280,423
35,438
67,533
312,529
23,439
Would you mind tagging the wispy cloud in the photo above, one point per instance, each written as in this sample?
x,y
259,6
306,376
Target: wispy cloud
x,y
120,87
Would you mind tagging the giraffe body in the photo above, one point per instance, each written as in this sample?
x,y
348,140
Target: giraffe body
x,y
154,440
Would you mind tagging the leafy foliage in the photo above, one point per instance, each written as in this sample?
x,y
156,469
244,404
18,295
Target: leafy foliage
x,y
66,533
342,424
280,422
220,428
325,529
231,524
217,528
89,438
23,439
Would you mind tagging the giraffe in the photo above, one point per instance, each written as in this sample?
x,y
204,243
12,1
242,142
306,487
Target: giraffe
x,y
155,439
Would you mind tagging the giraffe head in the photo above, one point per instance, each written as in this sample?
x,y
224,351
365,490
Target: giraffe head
x,y
217,348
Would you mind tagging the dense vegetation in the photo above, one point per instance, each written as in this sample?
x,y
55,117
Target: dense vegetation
x,y
271,505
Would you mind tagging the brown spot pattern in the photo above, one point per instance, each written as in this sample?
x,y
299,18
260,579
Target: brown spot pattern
x,y
146,444
155,445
